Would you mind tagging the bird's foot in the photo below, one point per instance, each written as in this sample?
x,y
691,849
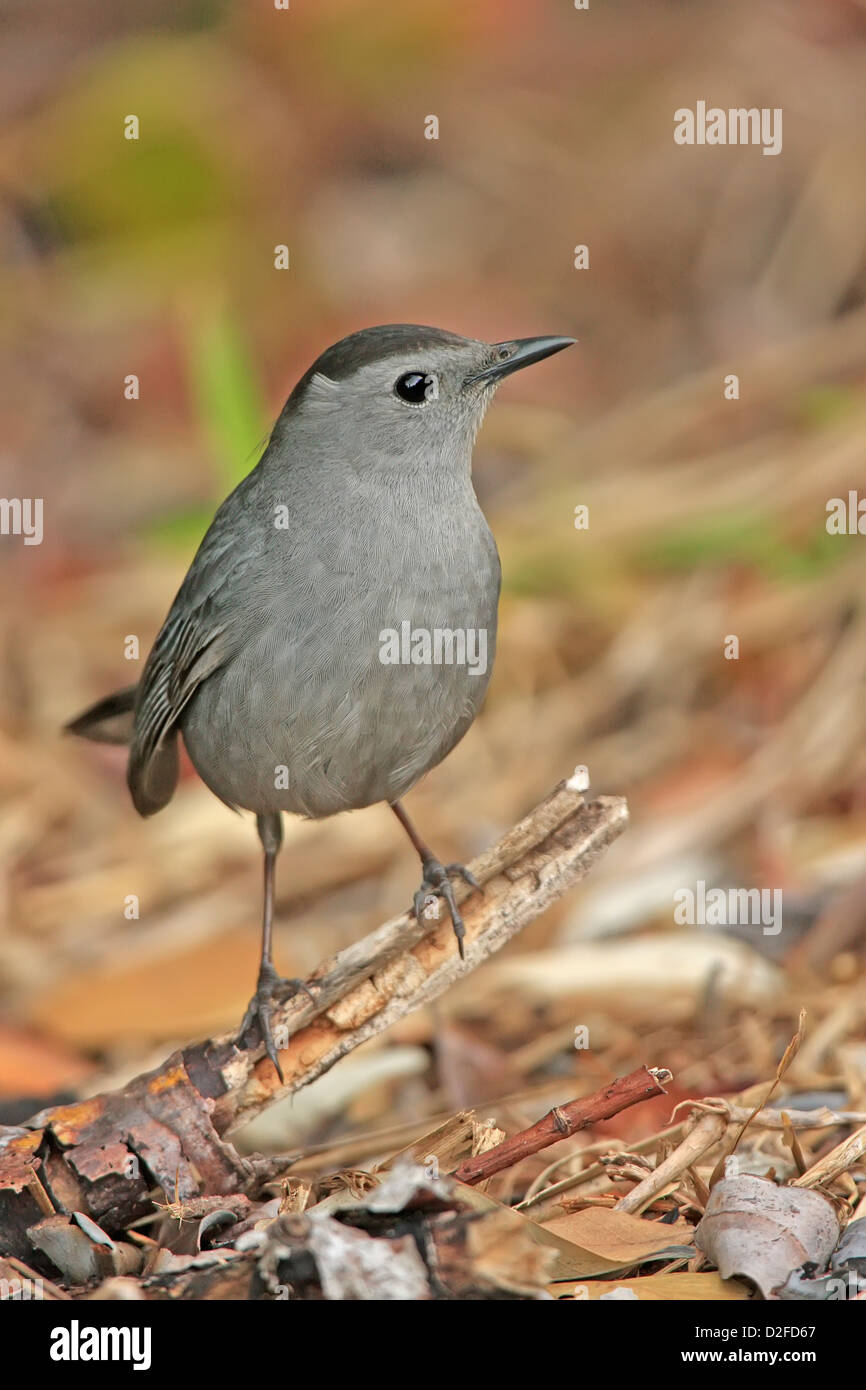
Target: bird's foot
x,y
271,989
436,883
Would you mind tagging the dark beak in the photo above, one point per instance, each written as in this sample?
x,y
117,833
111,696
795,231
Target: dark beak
x,y
522,352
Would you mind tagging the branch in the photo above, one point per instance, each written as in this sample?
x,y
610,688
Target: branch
x,y
565,1120
166,1128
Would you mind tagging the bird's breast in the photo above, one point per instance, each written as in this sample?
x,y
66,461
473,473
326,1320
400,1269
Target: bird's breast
x,y
368,656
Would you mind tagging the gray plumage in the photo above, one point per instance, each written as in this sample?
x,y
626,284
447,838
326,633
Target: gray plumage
x,y
359,518
361,515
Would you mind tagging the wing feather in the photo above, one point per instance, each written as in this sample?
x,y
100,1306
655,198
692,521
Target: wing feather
x,y
200,634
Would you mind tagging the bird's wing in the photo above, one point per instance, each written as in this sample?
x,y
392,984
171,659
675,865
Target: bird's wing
x,y
202,631
184,654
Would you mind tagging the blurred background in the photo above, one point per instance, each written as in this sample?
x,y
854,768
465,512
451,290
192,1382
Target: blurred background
x,y
707,516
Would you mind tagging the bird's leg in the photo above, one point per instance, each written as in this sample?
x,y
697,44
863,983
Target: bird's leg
x,y
271,987
436,881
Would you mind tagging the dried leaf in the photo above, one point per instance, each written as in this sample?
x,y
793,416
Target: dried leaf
x,y
607,1240
662,1288
763,1232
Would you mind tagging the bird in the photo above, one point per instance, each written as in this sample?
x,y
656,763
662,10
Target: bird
x,y
334,636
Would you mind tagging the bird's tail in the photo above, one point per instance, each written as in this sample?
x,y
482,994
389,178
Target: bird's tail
x,y
109,720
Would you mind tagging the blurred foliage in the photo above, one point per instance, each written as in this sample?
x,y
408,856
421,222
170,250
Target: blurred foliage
x,y
825,403
746,539
226,393
230,408
104,185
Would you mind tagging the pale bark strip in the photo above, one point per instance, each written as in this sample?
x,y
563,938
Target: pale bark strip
x,y
103,1155
836,1162
392,972
706,1133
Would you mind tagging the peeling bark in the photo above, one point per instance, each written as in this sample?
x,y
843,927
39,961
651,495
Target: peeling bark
x,y
167,1128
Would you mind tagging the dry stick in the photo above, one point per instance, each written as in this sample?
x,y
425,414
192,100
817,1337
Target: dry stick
x,y
787,1058
563,1121
404,964
704,1136
707,1131
545,1196
836,1162
104,1155
821,1118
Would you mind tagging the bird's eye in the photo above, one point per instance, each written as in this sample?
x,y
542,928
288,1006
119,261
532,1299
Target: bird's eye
x,y
416,388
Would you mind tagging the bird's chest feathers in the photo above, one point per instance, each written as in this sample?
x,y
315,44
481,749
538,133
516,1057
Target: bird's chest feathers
x,y
420,546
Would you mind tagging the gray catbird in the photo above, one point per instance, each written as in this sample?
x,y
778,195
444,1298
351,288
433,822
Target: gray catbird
x,y
334,637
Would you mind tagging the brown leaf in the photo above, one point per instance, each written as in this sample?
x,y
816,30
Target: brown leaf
x,y
663,1288
607,1240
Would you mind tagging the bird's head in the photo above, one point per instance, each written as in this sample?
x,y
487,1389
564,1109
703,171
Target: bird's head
x,y
405,392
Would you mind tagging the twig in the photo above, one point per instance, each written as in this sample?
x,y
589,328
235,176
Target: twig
x,y
563,1121
705,1134
167,1128
836,1162
545,1197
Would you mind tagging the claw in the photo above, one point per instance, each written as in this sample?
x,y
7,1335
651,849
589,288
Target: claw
x,y
465,874
270,988
436,883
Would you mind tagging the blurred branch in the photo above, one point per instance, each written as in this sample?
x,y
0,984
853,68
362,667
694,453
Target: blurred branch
x,y
166,1128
